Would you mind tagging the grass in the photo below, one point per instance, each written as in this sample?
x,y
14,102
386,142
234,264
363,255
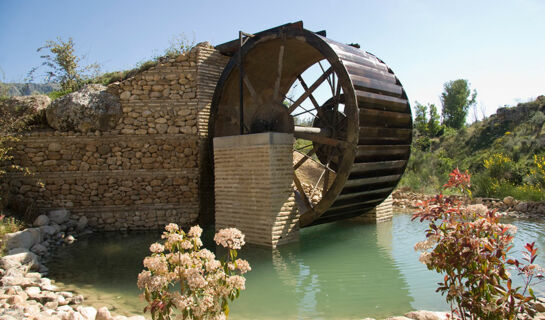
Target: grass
x,y
8,225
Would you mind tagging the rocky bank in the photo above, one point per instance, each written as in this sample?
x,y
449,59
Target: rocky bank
x,y
25,292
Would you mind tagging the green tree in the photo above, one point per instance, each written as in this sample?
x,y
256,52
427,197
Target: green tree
x,y
63,65
434,125
420,118
456,98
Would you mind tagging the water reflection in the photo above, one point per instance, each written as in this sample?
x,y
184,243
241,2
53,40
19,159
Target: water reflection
x,y
343,270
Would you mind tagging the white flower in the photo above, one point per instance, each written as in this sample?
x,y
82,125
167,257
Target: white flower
x,y
236,282
230,238
243,266
172,227
425,258
157,248
156,264
194,279
195,232
143,279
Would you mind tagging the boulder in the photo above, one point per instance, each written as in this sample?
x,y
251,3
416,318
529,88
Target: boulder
x,y
25,105
41,220
89,313
91,108
39,249
20,259
23,239
59,216
49,230
509,201
82,223
426,315
103,314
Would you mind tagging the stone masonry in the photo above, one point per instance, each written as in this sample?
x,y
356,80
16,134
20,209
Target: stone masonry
x,y
144,172
382,212
253,185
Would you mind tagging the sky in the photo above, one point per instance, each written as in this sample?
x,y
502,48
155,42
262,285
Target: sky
x,y
498,46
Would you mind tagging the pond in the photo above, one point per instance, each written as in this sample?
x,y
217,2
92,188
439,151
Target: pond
x,y
342,270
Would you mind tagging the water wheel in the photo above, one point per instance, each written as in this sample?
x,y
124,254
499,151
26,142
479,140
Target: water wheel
x,y
353,137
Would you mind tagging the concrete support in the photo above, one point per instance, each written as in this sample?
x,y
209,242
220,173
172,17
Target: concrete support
x,y
253,187
382,212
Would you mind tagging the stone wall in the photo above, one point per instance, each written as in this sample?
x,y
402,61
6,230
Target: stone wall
x,y
144,172
383,212
254,187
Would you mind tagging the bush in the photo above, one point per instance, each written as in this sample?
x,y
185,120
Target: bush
x,y
469,246
205,284
8,225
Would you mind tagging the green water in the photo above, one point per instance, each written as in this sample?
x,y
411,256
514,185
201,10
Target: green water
x,y
343,270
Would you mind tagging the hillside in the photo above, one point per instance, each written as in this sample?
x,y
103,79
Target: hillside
x,y
26,89
502,152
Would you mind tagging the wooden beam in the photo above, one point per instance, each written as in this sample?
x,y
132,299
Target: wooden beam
x,y
313,87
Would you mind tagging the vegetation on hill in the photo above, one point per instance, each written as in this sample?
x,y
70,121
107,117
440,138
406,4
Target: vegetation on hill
x,y
505,153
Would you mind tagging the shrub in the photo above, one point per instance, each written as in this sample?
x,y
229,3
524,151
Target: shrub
x,y
469,246
205,284
8,225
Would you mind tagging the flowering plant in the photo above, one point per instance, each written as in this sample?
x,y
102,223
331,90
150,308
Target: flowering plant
x,y
469,245
205,284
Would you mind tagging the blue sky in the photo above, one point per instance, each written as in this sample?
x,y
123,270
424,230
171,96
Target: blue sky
x,y
497,45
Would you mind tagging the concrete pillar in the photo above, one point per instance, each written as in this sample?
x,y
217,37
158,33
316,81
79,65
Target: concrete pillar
x,y
253,187
382,212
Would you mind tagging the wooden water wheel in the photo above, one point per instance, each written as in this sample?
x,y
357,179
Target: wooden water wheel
x,y
354,144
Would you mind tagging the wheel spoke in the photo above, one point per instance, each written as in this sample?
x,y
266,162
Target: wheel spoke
x,y
313,87
311,97
301,191
303,147
328,79
319,138
251,89
276,94
326,183
304,159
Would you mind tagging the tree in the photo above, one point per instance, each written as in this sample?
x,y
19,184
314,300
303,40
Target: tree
x,y
434,126
456,98
63,65
420,119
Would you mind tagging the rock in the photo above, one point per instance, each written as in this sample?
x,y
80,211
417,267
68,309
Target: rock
x,y
15,281
76,300
16,300
59,216
509,201
39,249
33,292
70,239
82,223
522,207
41,220
28,259
88,313
49,230
34,104
91,108
136,318
426,315
103,314
23,239
398,318
74,315
539,306
17,250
